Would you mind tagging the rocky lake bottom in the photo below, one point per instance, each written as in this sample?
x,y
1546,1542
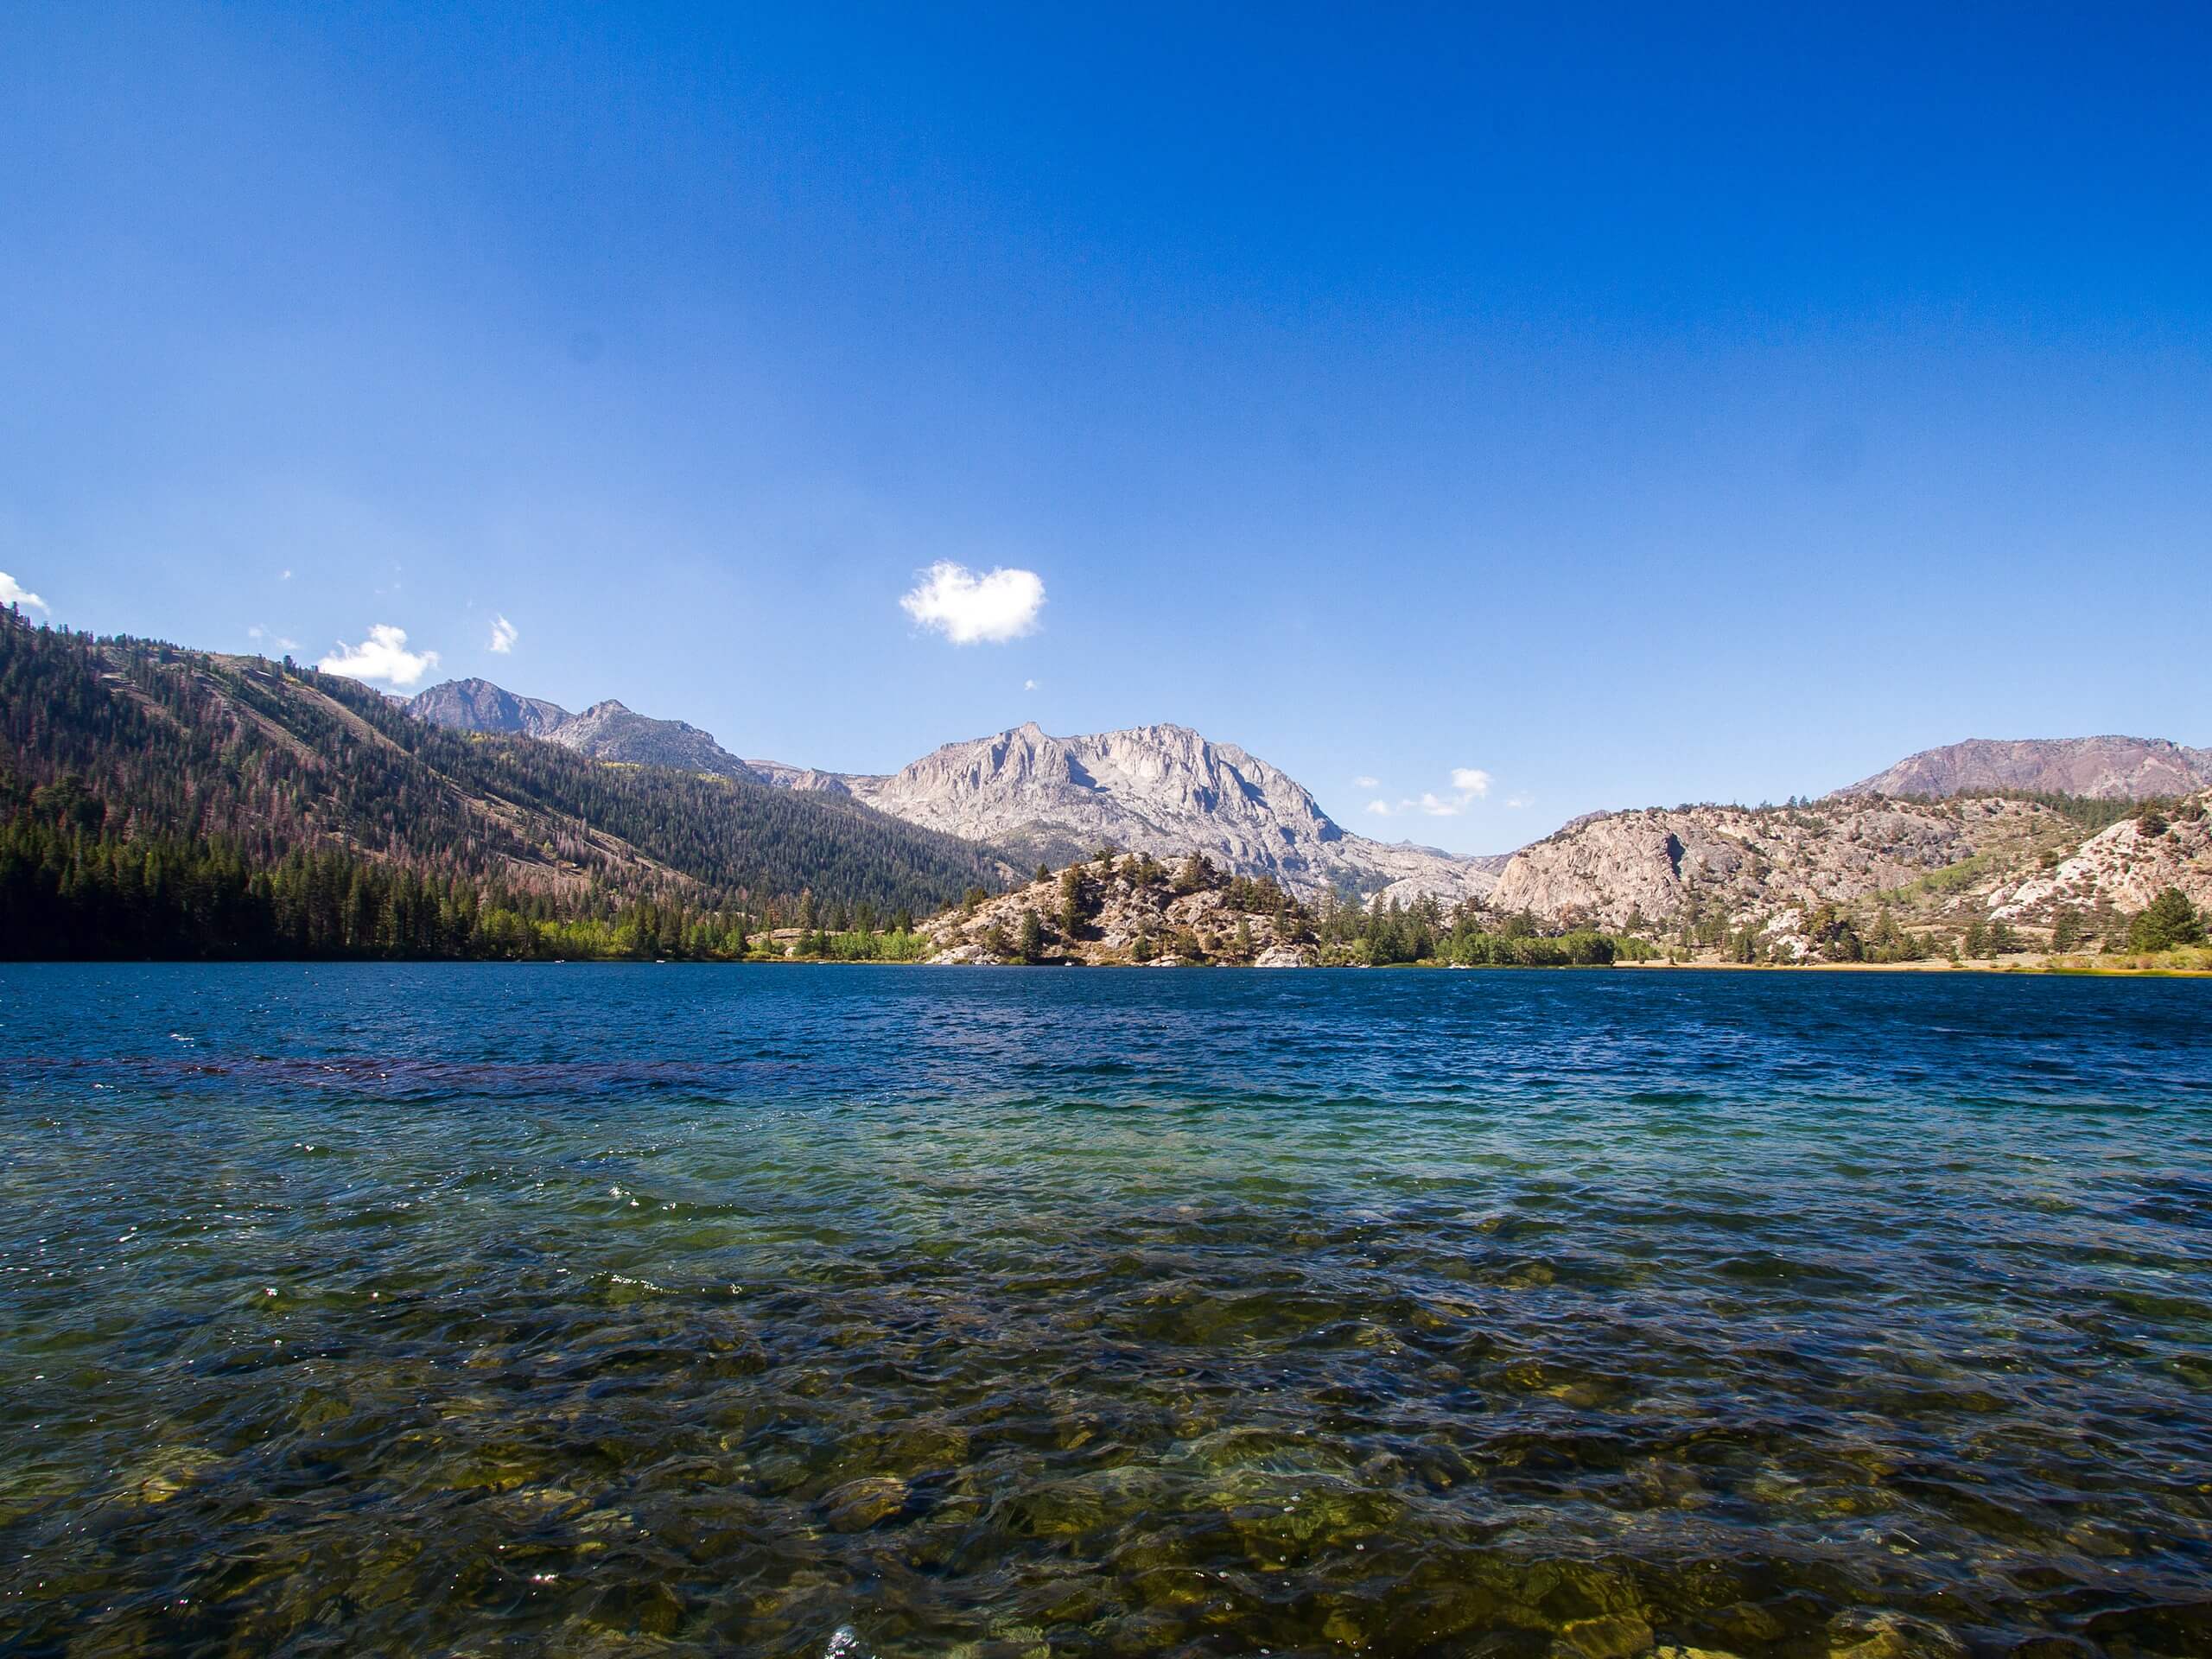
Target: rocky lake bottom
x,y
861,1311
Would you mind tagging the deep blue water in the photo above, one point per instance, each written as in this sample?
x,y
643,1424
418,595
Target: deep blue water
x,y
628,1310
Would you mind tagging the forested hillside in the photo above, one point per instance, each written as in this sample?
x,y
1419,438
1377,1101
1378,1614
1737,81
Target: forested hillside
x,y
161,801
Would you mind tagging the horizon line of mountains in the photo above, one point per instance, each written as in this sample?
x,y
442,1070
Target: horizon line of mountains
x,y
146,790
1167,789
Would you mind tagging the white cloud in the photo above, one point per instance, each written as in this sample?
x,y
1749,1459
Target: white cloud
x,y
1029,685
1365,782
1516,802
14,593
503,635
262,635
966,608
383,656
283,575
1469,785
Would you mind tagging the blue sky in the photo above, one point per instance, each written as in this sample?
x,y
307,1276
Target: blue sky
x,y
1626,405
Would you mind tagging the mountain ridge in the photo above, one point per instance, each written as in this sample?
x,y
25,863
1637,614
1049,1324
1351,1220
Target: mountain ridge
x,y
2106,767
1162,788
608,730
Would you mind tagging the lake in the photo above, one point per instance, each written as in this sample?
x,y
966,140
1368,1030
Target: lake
x,y
626,1310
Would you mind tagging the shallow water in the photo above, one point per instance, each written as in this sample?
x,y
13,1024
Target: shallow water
x,y
630,1310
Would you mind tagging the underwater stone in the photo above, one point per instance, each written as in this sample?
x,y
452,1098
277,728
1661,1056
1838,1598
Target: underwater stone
x,y
859,1505
1860,1634
1611,1636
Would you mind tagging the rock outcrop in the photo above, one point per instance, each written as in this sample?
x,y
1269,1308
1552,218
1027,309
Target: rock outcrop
x,y
1163,789
1129,910
2107,768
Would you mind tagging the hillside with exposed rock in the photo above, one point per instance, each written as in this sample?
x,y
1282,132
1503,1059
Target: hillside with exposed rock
x,y
1657,868
2122,867
2097,768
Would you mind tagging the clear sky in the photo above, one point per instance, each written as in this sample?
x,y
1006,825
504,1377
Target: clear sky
x,y
1627,406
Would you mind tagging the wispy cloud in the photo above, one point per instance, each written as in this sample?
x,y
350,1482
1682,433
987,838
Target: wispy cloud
x,y
14,593
1365,782
1029,685
262,635
969,609
1469,785
503,635
383,656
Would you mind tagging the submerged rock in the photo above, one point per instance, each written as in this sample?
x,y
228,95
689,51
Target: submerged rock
x,y
859,1505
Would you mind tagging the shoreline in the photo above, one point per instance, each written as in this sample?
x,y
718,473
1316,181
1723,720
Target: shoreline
x,y
2026,966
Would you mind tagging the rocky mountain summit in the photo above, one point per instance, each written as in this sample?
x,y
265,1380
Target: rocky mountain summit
x,y
475,705
2100,768
606,731
1163,789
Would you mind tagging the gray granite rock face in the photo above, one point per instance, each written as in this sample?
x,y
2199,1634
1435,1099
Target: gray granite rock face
x,y
1164,789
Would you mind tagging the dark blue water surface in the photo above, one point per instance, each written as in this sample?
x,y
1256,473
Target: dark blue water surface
x,y
650,1310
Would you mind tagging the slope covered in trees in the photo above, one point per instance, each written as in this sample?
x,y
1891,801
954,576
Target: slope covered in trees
x,y
157,801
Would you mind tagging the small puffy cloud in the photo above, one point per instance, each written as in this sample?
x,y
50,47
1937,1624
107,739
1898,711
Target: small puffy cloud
x,y
1029,685
1516,802
967,608
503,635
1380,808
262,636
1471,780
14,593
283,575
1365,782
1437,807
383,656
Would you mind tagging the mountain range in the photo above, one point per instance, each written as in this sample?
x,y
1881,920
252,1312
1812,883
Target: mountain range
x,y
1959,810
238,767
1164,789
